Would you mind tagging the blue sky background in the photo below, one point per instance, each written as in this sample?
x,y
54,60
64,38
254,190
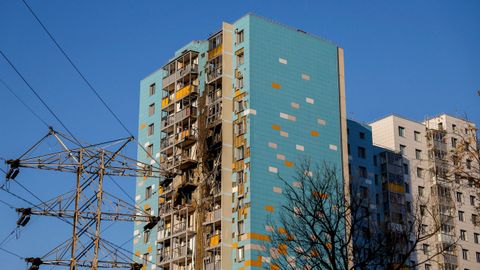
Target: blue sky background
x,y
413,58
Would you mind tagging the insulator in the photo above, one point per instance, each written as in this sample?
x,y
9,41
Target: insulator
x,y
136,266
25,217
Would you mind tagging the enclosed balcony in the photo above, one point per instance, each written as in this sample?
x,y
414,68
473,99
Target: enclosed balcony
x,y
212,262
212,241
213,216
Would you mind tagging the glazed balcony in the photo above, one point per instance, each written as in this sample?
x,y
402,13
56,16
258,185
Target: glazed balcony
x,y
212,264
213,216
213,241
215,52
171,78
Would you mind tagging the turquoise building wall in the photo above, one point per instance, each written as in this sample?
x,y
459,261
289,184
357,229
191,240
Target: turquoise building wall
x,y
292,85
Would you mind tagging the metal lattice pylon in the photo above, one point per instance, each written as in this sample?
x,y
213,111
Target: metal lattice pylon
x,y
88,204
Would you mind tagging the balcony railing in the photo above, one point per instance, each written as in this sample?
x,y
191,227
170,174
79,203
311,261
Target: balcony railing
x,y
213,216
214,72
212,264
167,142
165,233
179,227
169,79
182,251
185,91
215,52
213,241
168,120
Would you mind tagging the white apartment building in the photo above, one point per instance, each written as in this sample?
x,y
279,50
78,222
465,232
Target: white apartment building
x,y
427,146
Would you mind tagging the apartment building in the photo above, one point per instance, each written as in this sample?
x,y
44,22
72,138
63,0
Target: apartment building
x,y
427,148
378,180
224,117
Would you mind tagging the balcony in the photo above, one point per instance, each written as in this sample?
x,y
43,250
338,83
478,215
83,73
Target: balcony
x,y
186,91
213,216
181,251
215,52
165,209
164,255
172,77
186,113
212,263
167,142
181,162
213,241
186,138
214,73
163,234
168,121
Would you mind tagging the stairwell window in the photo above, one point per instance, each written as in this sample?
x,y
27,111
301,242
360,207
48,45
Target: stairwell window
x,y
461,215
416,136
151,90
148,192
402,149
401,131
240,254
145,259
362,172
151,129
150,150
240,36
151,109
361,152
240,57
418,154
146,236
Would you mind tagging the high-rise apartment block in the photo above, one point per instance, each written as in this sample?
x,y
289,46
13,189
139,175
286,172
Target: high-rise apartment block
x,y
225,117
430,150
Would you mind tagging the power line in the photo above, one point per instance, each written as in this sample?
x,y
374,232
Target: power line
x,y
24,103
35,92
84,78
7,204
11,253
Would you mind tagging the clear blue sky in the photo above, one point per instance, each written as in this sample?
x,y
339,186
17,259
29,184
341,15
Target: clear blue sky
x,y
413,58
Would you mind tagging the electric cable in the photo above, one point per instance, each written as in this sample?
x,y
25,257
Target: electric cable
x,y
84,78
24,103
12,253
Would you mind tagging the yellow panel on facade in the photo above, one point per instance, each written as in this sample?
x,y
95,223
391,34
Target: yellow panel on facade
x,y
215,52
269,208
143,125
149,249
214,240
314,133
258,236
274,267
276,127
282,230
288,163
276,85
282,249
137,253
255,263
165,102
146,206
183,92
396,188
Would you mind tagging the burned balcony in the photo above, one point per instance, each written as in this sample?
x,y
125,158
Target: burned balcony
x,y
186,138
212,262
180,252
167,142
167,123
212,241
186,91
164,255
213,216
185,64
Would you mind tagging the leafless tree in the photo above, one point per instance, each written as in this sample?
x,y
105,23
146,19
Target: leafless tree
x,y
320,226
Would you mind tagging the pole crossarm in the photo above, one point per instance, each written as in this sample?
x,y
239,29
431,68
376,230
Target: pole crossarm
x,y
88,205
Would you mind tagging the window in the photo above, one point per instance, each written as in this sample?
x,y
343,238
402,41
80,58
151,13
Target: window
x,y
416,136
423,210
240,58
425,248
402,149
459,197
421,191
151,129
474,219
150,150
472,200
376,179
151,89
461,216
362,172
463,235
428,266
440,126
240,82
424,228
239,153
362,135
240,127
454,142
146,236
407,188
454,127
361,152
348,149
151,109
241,227
469,164
240,36
405,168
419,172
240,254
477,255
145,259
239,106
476,238
465,254
148,192
401,131
418,154
375,160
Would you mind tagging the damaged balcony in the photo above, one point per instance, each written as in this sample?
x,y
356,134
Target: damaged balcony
x,y
178,68
212,262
